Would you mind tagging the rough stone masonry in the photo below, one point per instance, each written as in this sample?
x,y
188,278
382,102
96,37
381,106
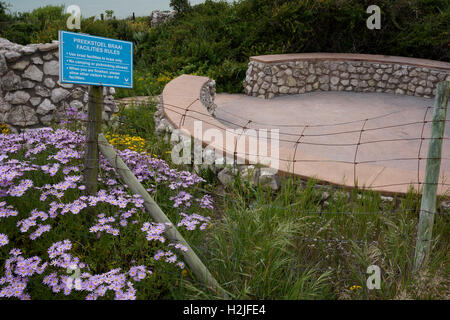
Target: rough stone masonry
x,y
267,80
30,92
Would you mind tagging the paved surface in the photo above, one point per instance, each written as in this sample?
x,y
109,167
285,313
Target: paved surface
x,y
334,110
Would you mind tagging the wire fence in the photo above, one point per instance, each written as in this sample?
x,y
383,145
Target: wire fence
x,y
71,114
297,140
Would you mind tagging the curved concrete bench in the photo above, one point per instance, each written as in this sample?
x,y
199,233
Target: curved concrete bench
x,y
181,105
272,75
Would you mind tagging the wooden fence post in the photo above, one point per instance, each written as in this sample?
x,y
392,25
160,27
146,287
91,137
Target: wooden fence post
x,y
93,129
428,204
192,260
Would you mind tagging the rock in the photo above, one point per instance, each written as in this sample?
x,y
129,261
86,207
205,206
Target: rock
x,y
284,89
311,79
59,94
445,206
250,174
45,107
35,101
27,50
324,79
268,178
18,97
387,198
281,82
10,81
65,85
290,81
37,60
42,92
77,104
3,65
22,116
48,56
51,68
226,175
4,105
48,46
12,56
49,83
209,156
419,90
33,73
324,195
47,119
334,80
351,69
20,65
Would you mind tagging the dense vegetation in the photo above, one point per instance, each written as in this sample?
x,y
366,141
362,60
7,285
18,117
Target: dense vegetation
x,y
216,38
306,241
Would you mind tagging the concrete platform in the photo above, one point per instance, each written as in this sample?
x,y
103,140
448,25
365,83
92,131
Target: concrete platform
x,y
390,146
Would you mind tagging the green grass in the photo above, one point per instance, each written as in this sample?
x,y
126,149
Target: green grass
x,y
309,241
306,241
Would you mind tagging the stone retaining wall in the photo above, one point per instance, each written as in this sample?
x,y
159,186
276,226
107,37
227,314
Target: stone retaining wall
x,y
30,93
269,76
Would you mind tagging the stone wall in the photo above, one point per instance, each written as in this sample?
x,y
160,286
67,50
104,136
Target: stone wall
x,y
158,17
276,75
30,93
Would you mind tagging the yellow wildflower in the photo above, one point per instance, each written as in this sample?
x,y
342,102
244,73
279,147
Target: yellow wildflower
x,y
354,287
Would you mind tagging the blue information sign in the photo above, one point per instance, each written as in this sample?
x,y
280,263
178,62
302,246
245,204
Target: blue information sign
x,y
91,60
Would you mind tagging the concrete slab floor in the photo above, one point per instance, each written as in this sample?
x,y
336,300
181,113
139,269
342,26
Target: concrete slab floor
x,y
337,118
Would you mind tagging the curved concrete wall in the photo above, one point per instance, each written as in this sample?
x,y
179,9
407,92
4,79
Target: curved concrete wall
x,y
272,75
187,99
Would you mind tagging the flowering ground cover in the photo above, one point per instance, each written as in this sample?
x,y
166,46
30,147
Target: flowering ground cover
x,y
306,241
57,242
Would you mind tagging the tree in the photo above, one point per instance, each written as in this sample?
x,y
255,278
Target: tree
x,y
180,6
3,14
109,14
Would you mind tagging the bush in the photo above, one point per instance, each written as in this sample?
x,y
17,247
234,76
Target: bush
x,y
180,6
216,38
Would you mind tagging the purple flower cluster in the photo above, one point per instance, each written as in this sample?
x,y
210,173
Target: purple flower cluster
x,y
169,256
7,211
62,168
95,285
206,202
154,231
3,240
18,270
102,225
182,198
191,221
